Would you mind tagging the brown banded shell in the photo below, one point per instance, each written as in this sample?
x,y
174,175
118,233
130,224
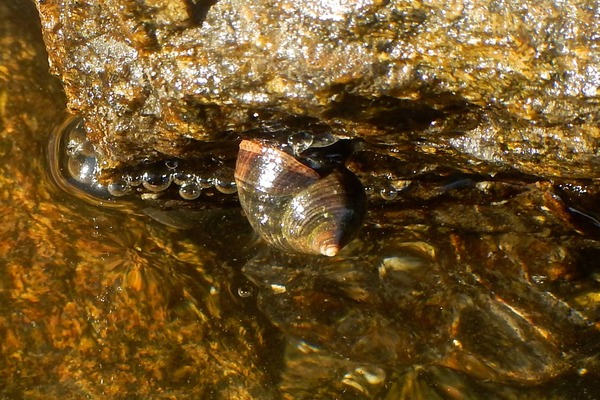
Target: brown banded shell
x,y
292,207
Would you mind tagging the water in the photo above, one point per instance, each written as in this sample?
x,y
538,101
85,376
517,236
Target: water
x,y
455,289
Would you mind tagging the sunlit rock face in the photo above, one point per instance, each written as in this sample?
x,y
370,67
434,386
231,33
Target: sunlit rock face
x,y
483,86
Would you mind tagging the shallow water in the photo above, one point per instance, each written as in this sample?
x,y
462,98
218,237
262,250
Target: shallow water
x,y
459,288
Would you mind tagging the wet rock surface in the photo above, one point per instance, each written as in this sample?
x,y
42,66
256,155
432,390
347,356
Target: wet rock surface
x,y
455,287
483,86
475,274
94,302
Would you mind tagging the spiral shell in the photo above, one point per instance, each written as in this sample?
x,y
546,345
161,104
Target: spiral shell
x,y
292,207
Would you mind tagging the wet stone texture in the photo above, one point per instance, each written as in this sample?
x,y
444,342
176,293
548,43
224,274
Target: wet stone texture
x,y
95,303
483,86
500,293
474,131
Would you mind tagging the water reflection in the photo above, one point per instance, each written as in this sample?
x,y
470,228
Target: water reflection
x,y
467,288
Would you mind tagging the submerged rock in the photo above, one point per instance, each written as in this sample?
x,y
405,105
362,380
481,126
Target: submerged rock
x,y
457,286
483,86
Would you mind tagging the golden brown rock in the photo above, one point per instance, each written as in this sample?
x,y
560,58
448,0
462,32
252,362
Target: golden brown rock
x,y
485,85
94,303
450,270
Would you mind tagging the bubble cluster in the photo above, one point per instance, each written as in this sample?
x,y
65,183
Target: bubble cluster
x,y
75,167
156,179
310,149
320,152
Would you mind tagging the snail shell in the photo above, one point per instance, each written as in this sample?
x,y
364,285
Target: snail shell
x,y
292,207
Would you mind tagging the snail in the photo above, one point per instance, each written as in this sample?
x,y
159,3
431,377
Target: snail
x,y
294,208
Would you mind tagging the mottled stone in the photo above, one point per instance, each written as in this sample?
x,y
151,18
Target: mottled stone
x,y
458,285
461,282
93,303
482,86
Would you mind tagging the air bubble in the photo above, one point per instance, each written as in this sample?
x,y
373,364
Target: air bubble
x,y
190,190
73,163
245,291
119,188
300,141
181,177
324,140
156,181
83,169
388,192
78,144
205,182
224,182
171,164
134,179
225,187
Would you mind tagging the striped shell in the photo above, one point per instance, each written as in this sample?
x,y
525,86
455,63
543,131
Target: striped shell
x,y
293,208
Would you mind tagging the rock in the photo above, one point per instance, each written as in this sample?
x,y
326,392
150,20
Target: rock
x,y
94,304
460,282
450,270
482,87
